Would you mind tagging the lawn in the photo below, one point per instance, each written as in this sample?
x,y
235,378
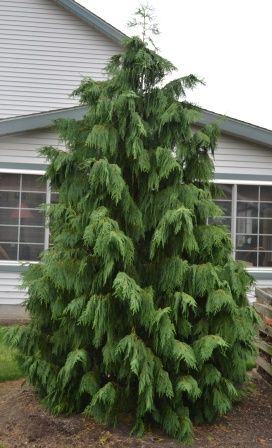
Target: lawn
x,y
9,369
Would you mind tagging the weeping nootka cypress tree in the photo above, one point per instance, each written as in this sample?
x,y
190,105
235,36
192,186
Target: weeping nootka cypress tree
x,y
138,306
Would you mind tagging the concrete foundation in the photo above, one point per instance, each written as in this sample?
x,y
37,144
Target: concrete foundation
x,y
13,314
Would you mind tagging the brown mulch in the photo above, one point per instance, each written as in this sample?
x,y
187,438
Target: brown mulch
x,y
24,423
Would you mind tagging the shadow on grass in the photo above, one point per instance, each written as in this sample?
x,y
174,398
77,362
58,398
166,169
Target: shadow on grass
x,y
9,369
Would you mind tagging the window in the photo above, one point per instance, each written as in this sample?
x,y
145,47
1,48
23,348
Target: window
x,y
22,223
225,203
247,211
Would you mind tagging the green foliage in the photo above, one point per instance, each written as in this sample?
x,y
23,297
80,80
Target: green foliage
x,y
220,300
9,369
102,404
189,385
138,306
126,289
205,346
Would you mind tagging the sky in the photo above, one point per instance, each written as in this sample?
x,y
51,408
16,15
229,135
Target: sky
x,y
225,42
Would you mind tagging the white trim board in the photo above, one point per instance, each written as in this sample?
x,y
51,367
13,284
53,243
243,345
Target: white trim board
x,y
243,182
18,171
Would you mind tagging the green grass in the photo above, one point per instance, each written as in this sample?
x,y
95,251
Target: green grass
x,y
9,369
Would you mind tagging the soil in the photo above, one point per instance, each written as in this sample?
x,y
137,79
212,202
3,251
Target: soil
x,y
24,423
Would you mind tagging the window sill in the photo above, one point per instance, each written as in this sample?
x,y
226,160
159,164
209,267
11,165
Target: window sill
x,y
15,266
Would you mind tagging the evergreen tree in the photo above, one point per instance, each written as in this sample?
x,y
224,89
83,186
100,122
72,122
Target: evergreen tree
x,y
145,20
138,306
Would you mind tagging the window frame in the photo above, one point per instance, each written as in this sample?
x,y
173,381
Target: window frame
x,y
235,182
33,172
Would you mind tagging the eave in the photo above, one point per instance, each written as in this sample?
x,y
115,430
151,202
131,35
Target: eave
x,y
41,120
237,128
227,125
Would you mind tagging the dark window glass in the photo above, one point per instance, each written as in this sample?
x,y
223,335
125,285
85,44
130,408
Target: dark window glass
x,y
32,234
247,193
225,207
8,234
32,200
247,225
250,258
247,209
9,216
27,192
265,242
33,183
266,210
8,251
9,199
32,217
266,193
266,226
30,252
226,191
9,181
265,259
246,242
253,224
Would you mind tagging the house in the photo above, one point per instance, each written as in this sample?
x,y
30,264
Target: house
x,y
47,47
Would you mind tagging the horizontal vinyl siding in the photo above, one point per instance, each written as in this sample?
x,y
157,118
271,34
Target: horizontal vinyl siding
x,y
10,292
232,155
23,147
45,51
242,157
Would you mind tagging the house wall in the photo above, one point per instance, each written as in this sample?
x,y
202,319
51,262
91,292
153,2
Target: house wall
x,y
45,52
233,157
22,148
17,153
10,294
237,156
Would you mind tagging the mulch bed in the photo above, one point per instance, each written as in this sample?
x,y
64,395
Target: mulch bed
x,y
24,423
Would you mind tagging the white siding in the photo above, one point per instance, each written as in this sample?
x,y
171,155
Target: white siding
x,y
10,292
233,156
240,156
23,147
45,51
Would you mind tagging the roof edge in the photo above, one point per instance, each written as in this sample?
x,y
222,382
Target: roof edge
x,y
228,125
40,120
92,19
237,128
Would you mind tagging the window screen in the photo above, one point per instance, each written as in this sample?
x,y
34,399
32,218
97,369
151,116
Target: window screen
x,y
247,211
22,223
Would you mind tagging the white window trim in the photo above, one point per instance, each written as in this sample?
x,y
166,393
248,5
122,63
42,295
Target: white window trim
x,y
18,171
48,198
234,201
17,262
46,231
242,182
